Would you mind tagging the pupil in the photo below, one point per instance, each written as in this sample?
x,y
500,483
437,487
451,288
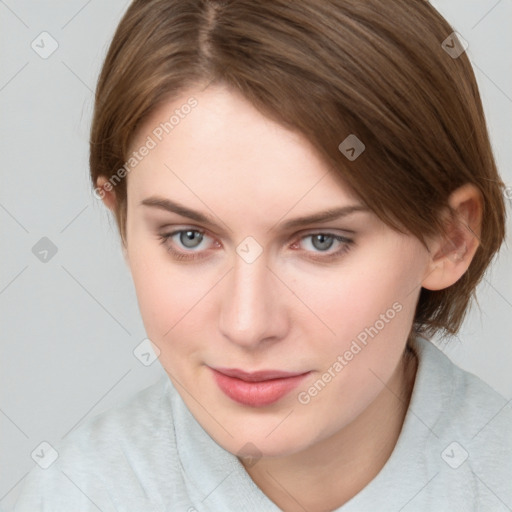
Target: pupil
x,y
187,238
322,242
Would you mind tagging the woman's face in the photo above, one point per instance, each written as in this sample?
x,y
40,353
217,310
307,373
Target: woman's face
x,y
321,308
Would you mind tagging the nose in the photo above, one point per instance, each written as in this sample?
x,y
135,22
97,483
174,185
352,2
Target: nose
x,y
252,306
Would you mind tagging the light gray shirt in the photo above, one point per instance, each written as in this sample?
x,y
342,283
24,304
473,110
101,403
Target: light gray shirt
x,y
454,453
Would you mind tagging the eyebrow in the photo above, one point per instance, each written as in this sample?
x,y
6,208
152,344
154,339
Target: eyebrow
x,y
322,216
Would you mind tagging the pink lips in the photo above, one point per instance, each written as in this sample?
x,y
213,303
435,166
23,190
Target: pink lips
x,y
256,389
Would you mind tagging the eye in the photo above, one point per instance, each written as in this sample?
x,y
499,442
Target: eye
x,y
188,239
191,244
318,245
321,241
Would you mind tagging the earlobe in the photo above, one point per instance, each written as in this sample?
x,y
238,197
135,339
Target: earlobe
x,y
448,265
450,255
105,192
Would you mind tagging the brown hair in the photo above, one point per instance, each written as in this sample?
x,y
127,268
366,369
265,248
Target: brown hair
x,y
328,69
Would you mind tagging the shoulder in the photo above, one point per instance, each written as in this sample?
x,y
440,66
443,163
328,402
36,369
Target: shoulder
x,y
140,420
147,411
470,438
115,456
467,404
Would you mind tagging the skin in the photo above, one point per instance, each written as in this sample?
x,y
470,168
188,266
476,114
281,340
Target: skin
x,y
286,310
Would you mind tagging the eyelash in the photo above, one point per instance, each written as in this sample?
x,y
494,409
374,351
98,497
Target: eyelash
x,y
195,255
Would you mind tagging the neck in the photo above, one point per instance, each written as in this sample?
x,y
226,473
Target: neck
x,y
318,481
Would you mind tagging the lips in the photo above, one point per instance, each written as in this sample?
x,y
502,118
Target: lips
x,y
256,389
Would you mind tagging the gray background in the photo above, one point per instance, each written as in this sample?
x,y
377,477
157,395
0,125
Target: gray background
x,y
70,324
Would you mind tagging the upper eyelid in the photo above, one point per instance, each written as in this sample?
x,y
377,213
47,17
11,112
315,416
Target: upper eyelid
x,y
174,232
305,232
297,237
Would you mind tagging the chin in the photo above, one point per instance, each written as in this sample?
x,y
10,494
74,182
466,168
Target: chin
x,y
257,438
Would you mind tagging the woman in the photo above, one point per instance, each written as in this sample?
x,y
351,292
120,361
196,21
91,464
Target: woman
x,y
304,191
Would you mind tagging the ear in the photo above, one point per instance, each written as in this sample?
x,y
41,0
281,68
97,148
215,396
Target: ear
x,y
451,255
105,192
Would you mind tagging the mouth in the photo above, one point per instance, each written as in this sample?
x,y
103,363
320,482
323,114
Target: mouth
x,y
256,389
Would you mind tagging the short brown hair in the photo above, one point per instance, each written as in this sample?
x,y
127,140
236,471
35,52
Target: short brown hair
x,y
327,69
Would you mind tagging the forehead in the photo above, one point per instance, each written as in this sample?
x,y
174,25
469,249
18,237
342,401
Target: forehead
x,y
223,149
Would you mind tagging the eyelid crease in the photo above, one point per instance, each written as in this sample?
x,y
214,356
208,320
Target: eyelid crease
x,y
297,236
315,256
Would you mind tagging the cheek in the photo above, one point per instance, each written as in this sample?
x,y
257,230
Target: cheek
x,y
168,295
367,299
370,311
